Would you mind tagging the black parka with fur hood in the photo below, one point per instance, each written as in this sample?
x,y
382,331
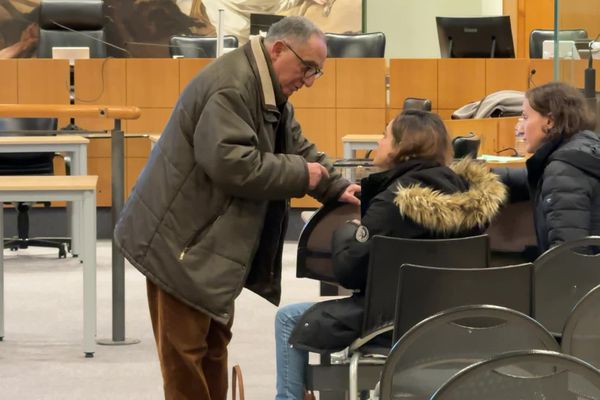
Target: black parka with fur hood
x,y
418,199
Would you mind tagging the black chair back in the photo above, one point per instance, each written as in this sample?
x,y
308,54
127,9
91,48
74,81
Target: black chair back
x,y
533,374
314,246
199,46
466,146
388,254
443,344
415,103
563,275
581,336
27,163
86,18
537,37
424,291
361,45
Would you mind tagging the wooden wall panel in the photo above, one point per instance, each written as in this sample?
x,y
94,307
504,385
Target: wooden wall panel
x,y
460,81
151,121
539,14
152,82
580,14
133,168
486,129
319,126
506,134
189,68
357,122
8,82
506,74
100,81
43,81
322,93
413,78
360,83
101,166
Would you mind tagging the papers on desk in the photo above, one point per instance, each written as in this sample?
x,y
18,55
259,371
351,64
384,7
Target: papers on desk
x,y
500,159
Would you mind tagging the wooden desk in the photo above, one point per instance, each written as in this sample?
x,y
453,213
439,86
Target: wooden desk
x,y
75,147
78,189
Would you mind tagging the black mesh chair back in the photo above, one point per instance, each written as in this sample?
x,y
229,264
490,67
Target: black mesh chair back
x,y
512,235
388,254
534,374
58,19
360,45
537,37
424,291
199,46
441,345
581,335
27,163
415,103
563,275
466,146
314,245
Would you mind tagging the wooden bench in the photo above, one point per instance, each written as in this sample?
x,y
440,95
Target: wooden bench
x,y
76,189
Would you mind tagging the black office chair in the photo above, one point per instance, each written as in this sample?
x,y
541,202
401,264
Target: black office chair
x,y
537,37
466,145
563,275
533,374
29,164
361,45
65,23
436,348
199,46
415,103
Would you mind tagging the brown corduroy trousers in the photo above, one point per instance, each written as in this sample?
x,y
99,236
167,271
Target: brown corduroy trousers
x,y
192,348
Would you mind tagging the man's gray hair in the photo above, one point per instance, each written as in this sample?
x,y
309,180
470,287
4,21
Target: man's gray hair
x,y
295,28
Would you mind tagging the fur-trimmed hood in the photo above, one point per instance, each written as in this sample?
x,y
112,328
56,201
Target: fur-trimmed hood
x,y
460,211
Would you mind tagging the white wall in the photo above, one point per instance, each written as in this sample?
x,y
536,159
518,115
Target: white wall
x,y
409,25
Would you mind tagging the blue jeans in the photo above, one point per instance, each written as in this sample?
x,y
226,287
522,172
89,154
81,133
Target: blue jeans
x,y
291,362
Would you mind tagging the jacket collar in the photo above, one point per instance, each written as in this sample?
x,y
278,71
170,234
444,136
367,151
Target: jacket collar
x,y
269,86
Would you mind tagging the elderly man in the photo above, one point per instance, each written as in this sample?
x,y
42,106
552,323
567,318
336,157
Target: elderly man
x,y
208,213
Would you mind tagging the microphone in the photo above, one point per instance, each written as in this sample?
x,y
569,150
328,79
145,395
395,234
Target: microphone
x,y
91,37
530,82
589,85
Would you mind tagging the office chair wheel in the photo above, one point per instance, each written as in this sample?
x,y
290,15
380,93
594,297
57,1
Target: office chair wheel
x,y
63,250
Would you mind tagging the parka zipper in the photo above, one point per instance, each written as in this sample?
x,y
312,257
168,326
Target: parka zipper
x,y
206,226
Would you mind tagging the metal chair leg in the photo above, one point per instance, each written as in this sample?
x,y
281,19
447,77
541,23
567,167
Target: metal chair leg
x,y
353,378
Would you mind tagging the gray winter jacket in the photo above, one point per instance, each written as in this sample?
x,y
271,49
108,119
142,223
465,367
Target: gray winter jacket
x,y
208,212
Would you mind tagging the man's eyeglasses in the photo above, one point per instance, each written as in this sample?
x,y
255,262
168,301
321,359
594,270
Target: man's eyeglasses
x,y
310,70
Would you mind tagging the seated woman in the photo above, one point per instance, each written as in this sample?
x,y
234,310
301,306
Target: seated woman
x,y
416,196
562,177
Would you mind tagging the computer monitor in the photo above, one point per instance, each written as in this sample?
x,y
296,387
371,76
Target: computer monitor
x,y
260,23
475,37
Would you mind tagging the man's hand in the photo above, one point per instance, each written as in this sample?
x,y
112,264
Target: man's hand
x,y
316,172
349,194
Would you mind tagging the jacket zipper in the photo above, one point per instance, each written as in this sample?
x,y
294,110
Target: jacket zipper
x,y
208,225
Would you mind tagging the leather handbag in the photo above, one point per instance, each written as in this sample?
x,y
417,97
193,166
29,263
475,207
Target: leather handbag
x,y
236,377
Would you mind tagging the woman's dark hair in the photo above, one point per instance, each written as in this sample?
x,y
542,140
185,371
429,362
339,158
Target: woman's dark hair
x,y
421,134
564,105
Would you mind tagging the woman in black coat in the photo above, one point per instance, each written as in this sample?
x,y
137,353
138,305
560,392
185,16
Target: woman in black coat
x,y
562,177
416,196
